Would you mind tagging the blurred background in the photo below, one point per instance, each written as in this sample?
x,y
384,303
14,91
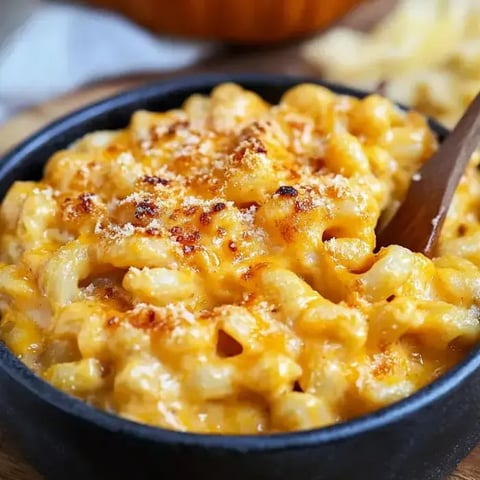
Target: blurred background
x,y
56,56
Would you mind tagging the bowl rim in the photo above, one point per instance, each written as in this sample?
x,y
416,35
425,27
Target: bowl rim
x,y
22,375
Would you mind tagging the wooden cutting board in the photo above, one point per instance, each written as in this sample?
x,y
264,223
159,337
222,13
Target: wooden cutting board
x,y
283,59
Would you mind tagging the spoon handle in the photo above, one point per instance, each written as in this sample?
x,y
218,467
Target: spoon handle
x,y
419,220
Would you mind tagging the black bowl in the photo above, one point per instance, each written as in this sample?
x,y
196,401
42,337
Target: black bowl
x,y
420,438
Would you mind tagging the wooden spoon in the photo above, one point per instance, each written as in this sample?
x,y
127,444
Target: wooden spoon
x,y
418,222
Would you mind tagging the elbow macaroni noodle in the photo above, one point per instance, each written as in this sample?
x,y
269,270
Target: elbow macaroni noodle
x,y
212,268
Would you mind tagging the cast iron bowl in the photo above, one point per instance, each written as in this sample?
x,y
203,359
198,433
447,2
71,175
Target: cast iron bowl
x,y
420,438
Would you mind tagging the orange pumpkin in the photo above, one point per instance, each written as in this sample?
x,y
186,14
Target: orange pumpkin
x,y
240,21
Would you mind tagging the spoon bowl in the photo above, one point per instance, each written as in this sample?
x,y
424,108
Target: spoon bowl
x,y
418,222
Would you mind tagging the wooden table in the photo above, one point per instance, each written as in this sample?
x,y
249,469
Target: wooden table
x,y
283,59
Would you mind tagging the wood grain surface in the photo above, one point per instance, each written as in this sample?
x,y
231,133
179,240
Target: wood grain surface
x,y
282,59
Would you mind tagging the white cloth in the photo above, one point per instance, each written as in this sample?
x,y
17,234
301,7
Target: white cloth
x,y
58,47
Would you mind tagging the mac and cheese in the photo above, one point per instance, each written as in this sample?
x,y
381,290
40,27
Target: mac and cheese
x,y
212,268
